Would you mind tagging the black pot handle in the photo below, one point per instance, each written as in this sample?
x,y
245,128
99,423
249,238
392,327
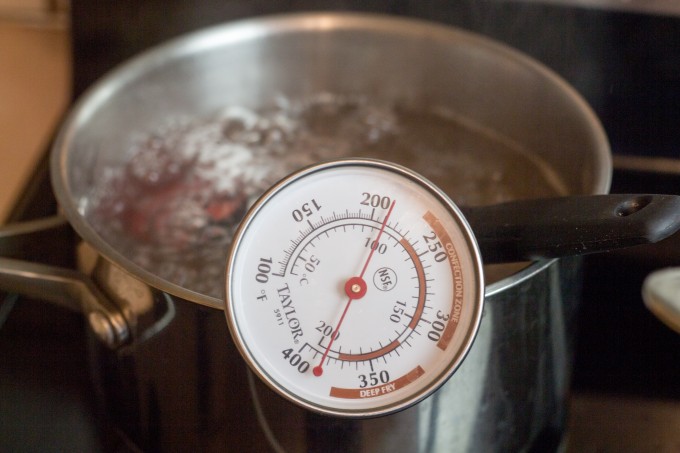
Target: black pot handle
x,y
576,225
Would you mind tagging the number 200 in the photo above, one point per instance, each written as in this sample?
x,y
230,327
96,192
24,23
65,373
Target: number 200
x,y
375,200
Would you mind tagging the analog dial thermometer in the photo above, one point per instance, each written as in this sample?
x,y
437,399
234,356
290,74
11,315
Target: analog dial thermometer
x,y
354,288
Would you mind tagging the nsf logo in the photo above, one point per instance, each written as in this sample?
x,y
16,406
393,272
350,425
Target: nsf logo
x,y
385,279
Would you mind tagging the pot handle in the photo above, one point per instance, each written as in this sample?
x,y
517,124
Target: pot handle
x,y
576,225
65,287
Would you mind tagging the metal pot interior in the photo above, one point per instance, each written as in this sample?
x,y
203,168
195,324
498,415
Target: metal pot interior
x,y
494,94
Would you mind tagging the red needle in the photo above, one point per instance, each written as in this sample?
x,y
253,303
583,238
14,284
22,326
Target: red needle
x,y
355,288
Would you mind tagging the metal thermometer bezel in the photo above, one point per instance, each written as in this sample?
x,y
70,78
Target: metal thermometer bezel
x,y
472,249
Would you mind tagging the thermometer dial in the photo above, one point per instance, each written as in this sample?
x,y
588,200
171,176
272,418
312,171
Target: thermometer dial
x,y
354,288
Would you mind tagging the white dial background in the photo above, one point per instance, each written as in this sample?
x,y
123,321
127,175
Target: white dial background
x,y
286,279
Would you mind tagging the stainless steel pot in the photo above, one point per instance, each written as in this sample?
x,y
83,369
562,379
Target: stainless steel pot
x,y
173,380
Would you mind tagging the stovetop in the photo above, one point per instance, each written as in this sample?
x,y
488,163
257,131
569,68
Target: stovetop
x,y
626,64
622,348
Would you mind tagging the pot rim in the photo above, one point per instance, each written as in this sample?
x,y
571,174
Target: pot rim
x,y
252,28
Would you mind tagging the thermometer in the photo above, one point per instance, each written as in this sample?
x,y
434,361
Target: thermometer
x,y
354,288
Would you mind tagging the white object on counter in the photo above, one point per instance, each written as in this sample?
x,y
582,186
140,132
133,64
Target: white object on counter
x,y
661,293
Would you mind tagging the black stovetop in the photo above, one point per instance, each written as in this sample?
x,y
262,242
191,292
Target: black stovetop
x,y
627,65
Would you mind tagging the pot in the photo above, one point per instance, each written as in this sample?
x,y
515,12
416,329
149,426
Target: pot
x,y
169,376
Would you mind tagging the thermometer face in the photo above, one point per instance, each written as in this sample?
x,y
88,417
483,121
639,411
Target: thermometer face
x,y
354,288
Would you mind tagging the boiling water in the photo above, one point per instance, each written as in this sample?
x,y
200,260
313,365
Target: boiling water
x,y
172,208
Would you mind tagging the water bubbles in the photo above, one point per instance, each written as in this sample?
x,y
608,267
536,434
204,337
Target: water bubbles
x,y
173,207
154,163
